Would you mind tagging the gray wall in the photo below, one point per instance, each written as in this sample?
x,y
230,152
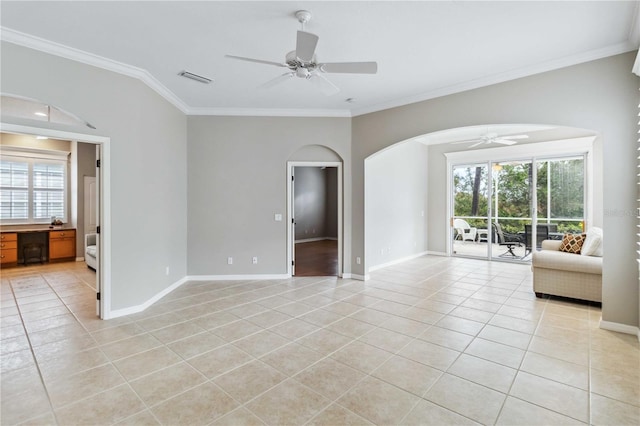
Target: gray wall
x,y
600,95
315,202
148,156
238,182
396,203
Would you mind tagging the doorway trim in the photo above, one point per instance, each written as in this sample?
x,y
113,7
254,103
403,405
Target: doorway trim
x,y
290,207
104,250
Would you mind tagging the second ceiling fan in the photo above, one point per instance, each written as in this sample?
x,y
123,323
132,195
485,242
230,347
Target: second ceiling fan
x,y
302,62
489,138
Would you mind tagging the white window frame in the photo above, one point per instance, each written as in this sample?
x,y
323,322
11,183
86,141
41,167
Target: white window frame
x,y
38,156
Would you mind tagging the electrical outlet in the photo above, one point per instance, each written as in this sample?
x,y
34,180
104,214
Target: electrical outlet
x,y
254,260
166,271
358,260
229,260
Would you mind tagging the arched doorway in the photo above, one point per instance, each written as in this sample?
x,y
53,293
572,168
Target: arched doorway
x,y
315,213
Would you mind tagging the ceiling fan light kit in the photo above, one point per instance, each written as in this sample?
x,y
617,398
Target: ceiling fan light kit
x,y
302,62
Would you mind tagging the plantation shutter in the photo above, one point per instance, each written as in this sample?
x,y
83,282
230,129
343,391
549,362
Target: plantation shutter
x,y
33,185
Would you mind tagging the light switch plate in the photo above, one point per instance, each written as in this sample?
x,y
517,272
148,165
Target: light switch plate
x,y
278,217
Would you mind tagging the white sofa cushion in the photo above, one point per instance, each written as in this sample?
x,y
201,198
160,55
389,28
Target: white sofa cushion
x,y
554,259
593,244
91,251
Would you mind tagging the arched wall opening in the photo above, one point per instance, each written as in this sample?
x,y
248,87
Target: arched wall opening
x,y
406,199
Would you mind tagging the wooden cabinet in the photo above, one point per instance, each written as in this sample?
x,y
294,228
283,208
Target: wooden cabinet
x,y
8,248
62,244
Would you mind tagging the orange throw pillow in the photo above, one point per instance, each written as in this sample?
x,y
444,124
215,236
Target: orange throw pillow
x,y
572,243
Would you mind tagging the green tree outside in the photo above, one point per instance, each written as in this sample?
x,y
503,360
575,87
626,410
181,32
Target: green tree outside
x,y
563,179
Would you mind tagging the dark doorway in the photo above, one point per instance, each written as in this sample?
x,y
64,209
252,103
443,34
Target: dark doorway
x,y
316,221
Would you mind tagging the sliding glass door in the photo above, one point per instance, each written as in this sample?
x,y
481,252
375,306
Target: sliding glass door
x,y
505,209
471,210
512,207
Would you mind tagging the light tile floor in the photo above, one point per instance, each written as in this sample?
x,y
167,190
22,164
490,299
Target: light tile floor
x,y
431,341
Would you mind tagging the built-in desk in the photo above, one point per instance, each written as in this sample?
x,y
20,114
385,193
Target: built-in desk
x,y
26,245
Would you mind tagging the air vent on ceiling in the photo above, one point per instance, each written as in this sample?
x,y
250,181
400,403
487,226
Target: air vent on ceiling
x,y
195,77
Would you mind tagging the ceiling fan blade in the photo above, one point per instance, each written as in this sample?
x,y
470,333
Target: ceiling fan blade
x,y
306,46
504,141
476,144
518,137
350,67
258,61
467,141
327,87
275,81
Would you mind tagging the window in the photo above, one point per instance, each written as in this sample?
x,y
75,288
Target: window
x,y
32,190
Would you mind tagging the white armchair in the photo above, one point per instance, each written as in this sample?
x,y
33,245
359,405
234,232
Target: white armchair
x,y
464,231
90,252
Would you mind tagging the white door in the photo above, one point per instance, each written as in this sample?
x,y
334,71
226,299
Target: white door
x,y
95,214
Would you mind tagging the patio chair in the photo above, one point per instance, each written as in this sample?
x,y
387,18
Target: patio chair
x,y
464,231
542,233
508,240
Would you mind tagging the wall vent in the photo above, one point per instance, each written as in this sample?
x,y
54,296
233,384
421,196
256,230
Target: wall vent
x,y
195,77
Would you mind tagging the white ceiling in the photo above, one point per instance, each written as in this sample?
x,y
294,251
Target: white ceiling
x,y
423,49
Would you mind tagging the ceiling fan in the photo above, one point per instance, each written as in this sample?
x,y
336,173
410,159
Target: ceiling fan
x,y
302,62
489,138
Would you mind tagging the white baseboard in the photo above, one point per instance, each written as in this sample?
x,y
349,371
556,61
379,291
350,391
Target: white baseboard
x,y
620,328
79,259
237,277
395,262
436,253
356,277
139,308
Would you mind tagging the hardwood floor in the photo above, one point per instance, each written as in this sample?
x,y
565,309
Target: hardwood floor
x,y
317,259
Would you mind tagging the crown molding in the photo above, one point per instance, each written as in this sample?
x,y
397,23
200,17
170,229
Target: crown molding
x,y
271,112
57,49
555,64
53,48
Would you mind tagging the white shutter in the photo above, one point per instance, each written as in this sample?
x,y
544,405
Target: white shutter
x,y
33,185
